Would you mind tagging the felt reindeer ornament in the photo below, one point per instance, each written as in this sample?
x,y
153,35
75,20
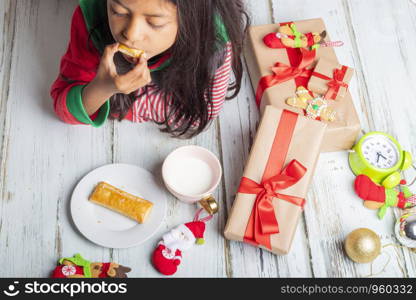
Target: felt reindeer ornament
x,y
378,197
78,267
315,107
289,37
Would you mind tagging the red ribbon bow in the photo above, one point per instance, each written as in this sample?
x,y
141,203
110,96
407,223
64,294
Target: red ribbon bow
x,y
263,220
334,83
283,73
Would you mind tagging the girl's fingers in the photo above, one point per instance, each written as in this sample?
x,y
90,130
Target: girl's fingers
x,y
109,53
137,71
138,77
141,65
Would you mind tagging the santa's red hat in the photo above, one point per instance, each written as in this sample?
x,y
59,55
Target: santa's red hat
x,y
198,229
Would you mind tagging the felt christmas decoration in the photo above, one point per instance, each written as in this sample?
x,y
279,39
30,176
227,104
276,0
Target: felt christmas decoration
x,y
289,37
378,197
315,107
168,254
79,267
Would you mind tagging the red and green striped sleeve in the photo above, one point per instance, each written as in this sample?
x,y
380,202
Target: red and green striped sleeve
x,y
78,68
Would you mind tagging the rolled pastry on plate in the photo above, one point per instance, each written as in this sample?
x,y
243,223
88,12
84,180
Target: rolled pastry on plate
x,y
122,202
130,52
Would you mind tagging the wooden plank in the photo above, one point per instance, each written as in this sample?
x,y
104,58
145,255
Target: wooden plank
x,y
45,157
260,11
7,15
7,11
238,123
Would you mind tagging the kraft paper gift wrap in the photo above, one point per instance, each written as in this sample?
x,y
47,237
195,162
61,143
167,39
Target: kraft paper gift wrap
x,y
284,139
330,78
341,134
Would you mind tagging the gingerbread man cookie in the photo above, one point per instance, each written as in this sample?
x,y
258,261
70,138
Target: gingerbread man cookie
x,y
315,107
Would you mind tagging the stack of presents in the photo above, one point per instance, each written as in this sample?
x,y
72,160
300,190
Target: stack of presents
x,y
306,108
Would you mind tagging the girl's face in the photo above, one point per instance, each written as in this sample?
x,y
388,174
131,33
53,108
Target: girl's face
x,y
149,25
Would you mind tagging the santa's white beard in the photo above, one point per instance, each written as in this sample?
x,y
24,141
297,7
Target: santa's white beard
x,y
179,238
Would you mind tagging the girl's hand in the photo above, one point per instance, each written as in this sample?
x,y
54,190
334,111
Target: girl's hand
x,y
114,83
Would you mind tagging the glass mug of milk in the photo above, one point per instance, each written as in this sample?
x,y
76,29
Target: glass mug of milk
x,y
191,174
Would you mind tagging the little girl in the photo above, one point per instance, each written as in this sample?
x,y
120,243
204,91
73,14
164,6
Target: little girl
x,y
179,83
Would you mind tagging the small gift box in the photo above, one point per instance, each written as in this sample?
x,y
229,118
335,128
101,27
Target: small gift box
x,y
330,79
276,177
277,73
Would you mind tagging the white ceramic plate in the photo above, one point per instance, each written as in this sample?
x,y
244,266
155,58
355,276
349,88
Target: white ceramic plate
x,y
108,228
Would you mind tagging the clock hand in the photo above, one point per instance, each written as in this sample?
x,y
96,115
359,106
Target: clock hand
x,y
378,156
383,156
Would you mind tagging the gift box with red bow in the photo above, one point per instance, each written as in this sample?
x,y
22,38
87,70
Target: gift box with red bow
x,y
272,191
330,79
276,73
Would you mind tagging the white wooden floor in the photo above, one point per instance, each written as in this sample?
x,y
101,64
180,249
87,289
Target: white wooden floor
x,y
42,158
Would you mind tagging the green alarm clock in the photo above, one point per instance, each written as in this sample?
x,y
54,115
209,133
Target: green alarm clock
x,y
380,157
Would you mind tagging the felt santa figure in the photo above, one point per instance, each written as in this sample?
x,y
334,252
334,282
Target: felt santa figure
x,y
168,254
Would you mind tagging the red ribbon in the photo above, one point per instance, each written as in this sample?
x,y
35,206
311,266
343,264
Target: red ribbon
x,y
402,201
104,270
283,73
265,222
311,39
334,83
262,222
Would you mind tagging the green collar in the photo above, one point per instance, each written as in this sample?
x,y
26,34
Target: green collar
x,y
78,260
221,30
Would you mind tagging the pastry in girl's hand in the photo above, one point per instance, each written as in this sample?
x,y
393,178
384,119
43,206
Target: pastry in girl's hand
x,y
135,53
122,202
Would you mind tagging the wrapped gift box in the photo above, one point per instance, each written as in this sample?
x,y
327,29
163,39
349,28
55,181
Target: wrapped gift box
x,y
275,180
341,133
331,79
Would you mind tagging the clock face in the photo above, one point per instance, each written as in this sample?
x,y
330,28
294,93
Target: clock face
x,y
380,151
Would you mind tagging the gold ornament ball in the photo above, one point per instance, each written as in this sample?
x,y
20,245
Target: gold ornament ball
x,y
363,245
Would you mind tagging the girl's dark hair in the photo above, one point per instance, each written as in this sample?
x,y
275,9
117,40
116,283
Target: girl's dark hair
x,y
195,56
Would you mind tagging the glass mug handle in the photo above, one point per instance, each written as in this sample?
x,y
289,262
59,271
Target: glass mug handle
x,y
209,204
